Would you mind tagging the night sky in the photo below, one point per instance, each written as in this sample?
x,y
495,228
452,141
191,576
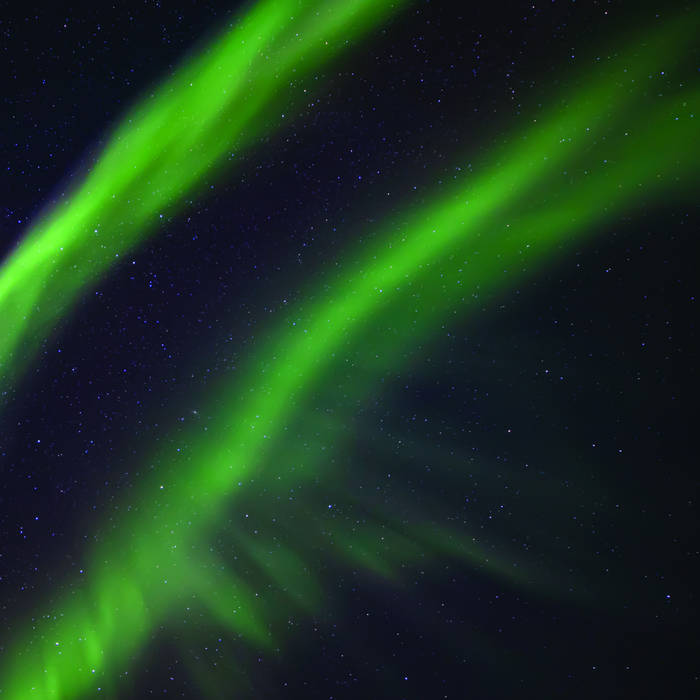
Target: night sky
x,y
551,419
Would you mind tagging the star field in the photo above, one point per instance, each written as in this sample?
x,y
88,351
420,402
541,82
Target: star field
x,y
251,459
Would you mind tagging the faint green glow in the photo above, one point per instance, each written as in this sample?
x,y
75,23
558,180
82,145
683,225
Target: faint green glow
x,y
217,103
615,142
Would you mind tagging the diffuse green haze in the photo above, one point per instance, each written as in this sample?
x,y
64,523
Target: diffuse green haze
x,y
480,237
217,103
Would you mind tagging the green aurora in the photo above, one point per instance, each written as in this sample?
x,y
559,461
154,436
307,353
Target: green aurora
x,y
219,103
587,159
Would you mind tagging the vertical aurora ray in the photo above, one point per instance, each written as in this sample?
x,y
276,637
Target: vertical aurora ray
x,y
478,239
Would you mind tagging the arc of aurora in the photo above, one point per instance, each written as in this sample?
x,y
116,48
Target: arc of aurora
x,y
490,227
218,102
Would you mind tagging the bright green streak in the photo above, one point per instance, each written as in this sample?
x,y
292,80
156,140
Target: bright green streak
x,y
616,139
217,103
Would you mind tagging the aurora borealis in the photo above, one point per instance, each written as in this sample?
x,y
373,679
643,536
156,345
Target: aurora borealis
x,y
215,104
256,491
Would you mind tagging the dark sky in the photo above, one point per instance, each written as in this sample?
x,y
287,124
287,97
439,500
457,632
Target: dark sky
x,y
573,393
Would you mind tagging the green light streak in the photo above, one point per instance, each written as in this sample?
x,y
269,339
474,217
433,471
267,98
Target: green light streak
x,y
477,239
218,102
